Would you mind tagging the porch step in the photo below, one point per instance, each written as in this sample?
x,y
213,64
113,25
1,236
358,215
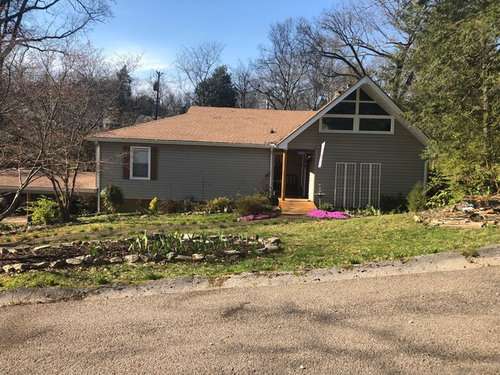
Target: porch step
x,y
295,206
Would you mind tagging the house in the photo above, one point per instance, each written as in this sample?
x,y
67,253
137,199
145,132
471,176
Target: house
x,y
11,179
350,153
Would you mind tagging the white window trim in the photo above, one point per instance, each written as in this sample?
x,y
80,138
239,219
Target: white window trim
x,y
356,116
132,149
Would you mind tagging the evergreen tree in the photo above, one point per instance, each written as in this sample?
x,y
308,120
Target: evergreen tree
x,y
456,94
217,90
122,112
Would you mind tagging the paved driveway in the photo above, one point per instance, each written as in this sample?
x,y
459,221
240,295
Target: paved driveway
x,y
436,322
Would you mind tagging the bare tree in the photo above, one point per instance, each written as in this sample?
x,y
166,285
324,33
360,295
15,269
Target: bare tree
x,y
196,64
242,76
64,98
281,67
370,37
27,25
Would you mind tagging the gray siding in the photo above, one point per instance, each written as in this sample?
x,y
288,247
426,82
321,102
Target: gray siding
x,y
399,154
191,172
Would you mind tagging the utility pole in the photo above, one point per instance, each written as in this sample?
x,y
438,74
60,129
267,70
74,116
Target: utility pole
x,y
156,87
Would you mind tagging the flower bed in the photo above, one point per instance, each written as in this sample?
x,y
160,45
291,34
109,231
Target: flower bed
x,y
320,214
157,247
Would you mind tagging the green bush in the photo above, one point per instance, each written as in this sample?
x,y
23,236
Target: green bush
x,y
45,211
439,190
253,205
395,205
153,206
171,206
326,206
219,204
112,197
416,198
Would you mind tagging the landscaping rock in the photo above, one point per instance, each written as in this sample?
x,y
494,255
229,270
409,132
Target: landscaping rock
x,y
262,250
272,241
272,248
198,257
171,256
133,258
74,261
39,265
22,247
183,258
232,252
58,263
210,257
41,247
146,258
115,260
4,251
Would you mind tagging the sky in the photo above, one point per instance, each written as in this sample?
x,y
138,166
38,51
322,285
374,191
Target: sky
x,y
157,29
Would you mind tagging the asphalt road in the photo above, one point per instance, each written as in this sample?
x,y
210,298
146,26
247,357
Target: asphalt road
x,y
429,323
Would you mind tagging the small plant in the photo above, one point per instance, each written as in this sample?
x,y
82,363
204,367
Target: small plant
x,y
153,206
112,197
96,250
326,207
45,211
416,198
140,244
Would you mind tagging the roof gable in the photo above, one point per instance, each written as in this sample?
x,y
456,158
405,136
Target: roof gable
x,y
372,90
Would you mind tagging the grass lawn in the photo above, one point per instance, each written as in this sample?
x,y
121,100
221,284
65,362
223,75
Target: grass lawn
x,y
306,244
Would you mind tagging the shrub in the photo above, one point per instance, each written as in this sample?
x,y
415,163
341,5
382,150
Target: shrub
x,y
219,204
45,211
273,201
171,206
253,205
439,190
393,204
416,198
112,197
153,206
326,207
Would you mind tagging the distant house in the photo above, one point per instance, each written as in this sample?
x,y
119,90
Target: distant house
x,y
351,152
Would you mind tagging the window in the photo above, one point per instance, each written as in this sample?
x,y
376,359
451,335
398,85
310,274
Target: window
x,y
140,162
357,113
345,185
338,123
369,184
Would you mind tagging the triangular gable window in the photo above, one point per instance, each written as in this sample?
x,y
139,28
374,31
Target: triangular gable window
x,y
357,113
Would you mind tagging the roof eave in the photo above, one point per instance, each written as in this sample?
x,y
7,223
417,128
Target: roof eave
x,y
179,142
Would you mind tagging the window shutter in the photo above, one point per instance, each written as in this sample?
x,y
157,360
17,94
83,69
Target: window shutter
x,y
126,162
154,163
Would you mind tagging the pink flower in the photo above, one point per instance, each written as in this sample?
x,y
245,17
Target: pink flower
x,y
320,214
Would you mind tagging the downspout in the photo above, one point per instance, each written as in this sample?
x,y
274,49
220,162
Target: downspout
x,y
426,172
98,175
271,169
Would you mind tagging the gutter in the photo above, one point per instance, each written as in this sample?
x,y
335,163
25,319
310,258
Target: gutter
x,y
185,143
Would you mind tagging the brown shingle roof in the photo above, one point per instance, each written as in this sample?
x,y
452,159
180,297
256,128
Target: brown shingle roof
x,y
9,181
218,125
